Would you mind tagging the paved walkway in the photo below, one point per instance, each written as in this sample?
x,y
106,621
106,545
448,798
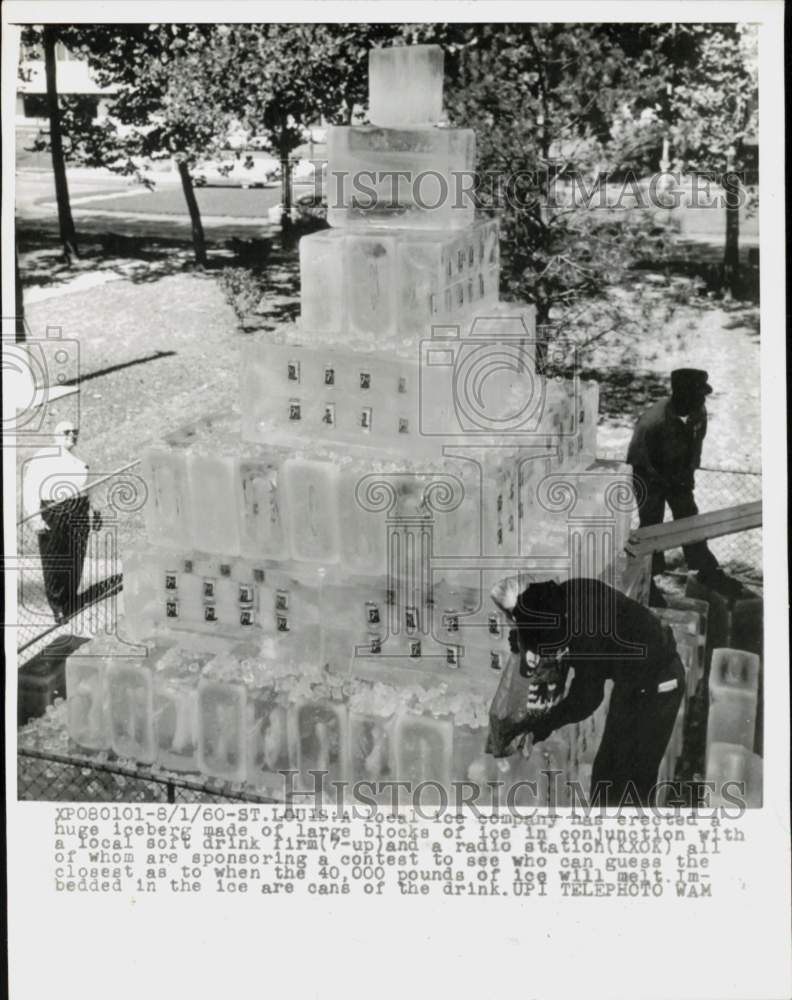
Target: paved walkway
x,y
153,355
726,344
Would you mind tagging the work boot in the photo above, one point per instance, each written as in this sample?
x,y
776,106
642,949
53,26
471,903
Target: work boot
x,y
723,584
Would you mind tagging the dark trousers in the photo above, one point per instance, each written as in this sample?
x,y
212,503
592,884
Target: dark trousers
x,y
62,549
637,730
651,510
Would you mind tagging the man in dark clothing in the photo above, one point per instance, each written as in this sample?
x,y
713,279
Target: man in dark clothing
x,y
664,452
602,635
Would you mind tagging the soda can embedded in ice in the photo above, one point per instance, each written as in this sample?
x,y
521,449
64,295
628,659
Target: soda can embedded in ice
x,y
129,684
406,85
87,710
221,729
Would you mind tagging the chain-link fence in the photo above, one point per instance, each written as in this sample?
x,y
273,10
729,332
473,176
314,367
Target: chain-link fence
x,y
740,554
43,776
717,488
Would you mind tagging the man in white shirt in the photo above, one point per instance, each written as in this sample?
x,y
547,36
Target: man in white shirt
x,y
58,509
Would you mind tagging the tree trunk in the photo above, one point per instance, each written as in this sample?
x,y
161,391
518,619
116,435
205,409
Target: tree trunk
x,y
543,334
65,221
286,183
199,242
731,253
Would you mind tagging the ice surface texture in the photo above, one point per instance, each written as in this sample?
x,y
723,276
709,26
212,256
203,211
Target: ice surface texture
x,y
406,85
407,178
377,284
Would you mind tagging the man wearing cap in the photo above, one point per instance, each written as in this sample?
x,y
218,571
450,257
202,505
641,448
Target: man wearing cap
x,y
664,452
602,635
58,509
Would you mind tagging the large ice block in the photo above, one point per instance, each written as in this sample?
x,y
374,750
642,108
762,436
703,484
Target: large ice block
x,y
407,178
471,764
319,738
737,774
213,503
733,690
130,686
323,281
141,597
555,755
686,626
261,523
381,283
221,729
176,709
87,712
406,85
267,739
363,532
168,513
329,395
527,785
173,592
311,491
370,750
423,750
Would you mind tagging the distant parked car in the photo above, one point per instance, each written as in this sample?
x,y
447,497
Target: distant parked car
x,y
312,204
241,171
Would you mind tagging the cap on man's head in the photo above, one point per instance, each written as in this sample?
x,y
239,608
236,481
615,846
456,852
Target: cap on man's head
x,y
687,380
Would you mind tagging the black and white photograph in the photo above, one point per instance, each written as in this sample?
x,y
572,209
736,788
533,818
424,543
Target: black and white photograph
x,y
386,511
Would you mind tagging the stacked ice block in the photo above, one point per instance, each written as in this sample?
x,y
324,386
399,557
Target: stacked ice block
x,y
385,469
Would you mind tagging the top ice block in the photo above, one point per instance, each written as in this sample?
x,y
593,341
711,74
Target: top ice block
x,y
406,86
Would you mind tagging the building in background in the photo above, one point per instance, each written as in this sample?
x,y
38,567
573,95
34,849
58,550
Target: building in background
x,y
75,84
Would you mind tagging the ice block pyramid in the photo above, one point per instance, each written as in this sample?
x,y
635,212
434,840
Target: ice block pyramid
x,y
395,453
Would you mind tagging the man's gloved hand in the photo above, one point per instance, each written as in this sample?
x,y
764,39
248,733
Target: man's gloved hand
x,y
541,730
502,737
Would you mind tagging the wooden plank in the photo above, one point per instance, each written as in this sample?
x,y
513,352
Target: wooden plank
x,y
700,527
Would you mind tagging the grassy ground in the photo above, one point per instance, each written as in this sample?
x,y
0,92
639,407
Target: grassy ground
x,y
233,202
